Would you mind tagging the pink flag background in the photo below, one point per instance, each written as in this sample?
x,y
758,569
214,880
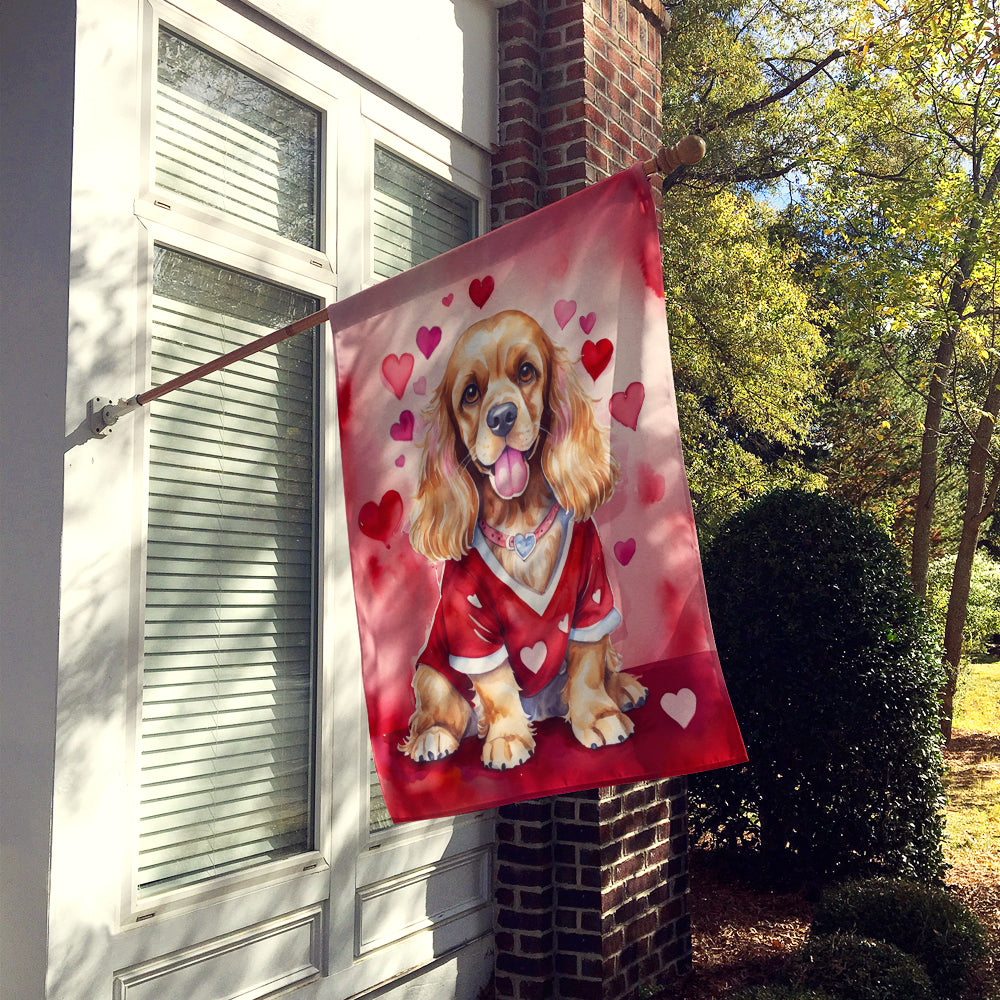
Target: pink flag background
x,y
588,270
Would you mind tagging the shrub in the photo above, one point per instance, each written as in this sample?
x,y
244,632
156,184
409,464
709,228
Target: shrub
x,y
856,968
833,672
925,922
982,620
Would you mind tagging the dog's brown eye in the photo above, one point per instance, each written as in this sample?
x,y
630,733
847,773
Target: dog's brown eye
x,y
526,372
471,394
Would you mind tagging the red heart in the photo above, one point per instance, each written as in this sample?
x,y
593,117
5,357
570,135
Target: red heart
x,y
380,520
652,486
397,371
625,406
625,550
448,299
403,431
595,356
481,290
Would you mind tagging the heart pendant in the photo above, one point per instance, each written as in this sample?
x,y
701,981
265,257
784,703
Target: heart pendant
x,y
524,545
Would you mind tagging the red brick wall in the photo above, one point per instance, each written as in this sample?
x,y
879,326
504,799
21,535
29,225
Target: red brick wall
x,y
579,96
591,889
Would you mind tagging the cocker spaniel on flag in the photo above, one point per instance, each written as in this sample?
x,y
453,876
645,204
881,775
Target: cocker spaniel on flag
x,y
521,543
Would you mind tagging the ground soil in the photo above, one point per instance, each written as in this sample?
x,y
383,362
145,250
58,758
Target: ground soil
x,y
742,934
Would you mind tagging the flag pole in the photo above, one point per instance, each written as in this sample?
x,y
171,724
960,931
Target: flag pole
x,y
103,413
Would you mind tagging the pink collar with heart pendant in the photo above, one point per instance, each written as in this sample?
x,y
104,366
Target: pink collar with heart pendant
x,y
522,544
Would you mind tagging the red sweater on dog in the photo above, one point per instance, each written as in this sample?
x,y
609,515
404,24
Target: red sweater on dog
x,y
485,616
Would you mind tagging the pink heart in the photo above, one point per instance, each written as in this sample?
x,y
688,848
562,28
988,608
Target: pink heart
x,y
403,431
397,371
625,550
480,290
448,299
652,486
625,406
380,520
428,339
401,461
564,311
681,706
595,356
534,656
587,322
420,386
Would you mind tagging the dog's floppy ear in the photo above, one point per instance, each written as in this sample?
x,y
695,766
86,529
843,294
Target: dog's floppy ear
x,y
446,504
576,458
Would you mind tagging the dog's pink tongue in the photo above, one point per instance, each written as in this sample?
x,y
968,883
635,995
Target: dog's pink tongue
x,y
510,474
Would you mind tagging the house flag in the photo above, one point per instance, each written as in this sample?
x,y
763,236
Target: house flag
x,y
528,587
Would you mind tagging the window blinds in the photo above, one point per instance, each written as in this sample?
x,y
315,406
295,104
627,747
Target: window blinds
x,y
227,681
415,216
227,140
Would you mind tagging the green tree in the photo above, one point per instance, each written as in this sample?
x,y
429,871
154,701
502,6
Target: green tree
x,y
747,357
869,420
747,77
878,121
747,352
910,181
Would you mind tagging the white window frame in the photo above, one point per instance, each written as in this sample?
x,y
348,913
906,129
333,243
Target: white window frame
x,y
180,224
349,871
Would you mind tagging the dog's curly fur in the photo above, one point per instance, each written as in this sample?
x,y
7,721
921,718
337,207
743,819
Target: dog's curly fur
x,y
508,359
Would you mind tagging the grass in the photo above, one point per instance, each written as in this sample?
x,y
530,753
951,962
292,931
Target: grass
x,y
978,698
973,781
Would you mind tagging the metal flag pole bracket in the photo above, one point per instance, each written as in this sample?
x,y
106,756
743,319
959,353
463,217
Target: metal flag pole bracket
x,y
103,413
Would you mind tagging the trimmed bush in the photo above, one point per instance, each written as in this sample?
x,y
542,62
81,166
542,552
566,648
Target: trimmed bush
x,y
925,922
833,672
856,968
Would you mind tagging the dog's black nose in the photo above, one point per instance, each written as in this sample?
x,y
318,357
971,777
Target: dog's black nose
x,y
501,417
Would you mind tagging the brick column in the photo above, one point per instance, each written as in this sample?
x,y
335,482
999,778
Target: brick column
x,y
524,902
621,882
591,889
579,96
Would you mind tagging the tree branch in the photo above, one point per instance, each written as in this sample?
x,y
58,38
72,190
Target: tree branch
x,y
754,106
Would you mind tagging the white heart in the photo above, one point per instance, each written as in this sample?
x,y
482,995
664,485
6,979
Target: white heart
x,y
597,596
564,624
474,601
680,707
534,656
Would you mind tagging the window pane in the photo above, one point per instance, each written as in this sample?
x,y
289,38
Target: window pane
x,y
228,657
228,140
416,217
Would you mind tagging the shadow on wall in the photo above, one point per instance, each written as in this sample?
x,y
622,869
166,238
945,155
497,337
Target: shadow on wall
x,y
90,819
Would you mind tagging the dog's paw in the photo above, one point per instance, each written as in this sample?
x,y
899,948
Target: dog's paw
x,y
503,751
626,691
606,729
432,744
